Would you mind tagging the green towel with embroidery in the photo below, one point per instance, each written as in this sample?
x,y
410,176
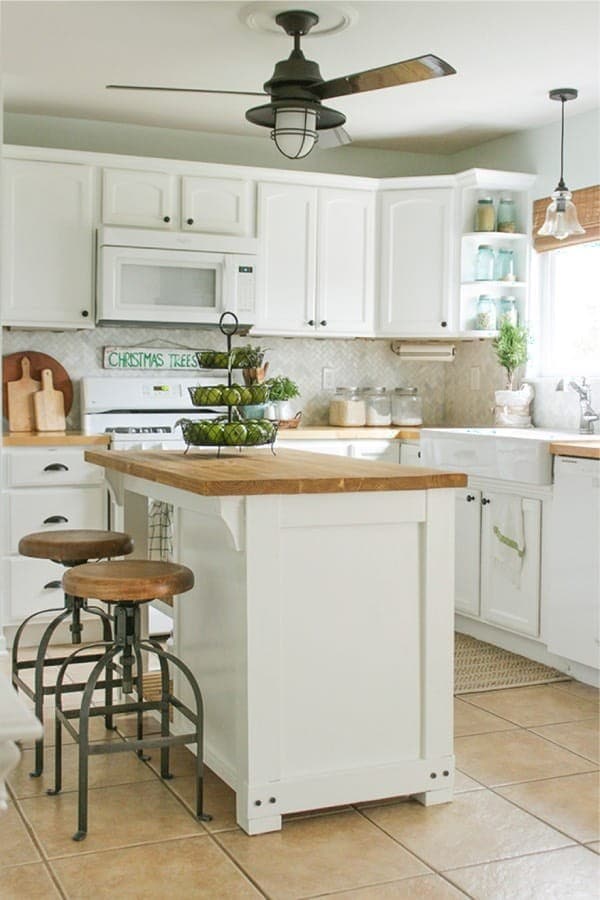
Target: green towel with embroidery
x,y
509,535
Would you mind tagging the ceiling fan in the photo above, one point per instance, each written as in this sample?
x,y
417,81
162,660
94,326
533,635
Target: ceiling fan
x,y
295,113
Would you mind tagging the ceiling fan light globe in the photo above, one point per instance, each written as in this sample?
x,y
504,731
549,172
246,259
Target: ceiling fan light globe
x,y
295,131
561,217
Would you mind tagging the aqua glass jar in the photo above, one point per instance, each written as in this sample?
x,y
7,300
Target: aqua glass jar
x,y
508,311
504,269
484,263
507,215
485,314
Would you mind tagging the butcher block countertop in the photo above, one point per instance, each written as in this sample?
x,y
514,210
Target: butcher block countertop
x,y
54,439
583,449
260,472
331,432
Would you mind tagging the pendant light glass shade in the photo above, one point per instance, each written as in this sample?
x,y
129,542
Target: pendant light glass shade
x,y
561,216
295,131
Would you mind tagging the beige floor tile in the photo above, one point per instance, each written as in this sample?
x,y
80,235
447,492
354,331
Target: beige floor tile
x,y
571,804
118,817
127,725
569,874
475,827
580,737
512,756
542,704
98,731
189,868
595,846
15,843
182,761
463,783
320,855
219,799
470,719
30,882
580,690
105,770
425,887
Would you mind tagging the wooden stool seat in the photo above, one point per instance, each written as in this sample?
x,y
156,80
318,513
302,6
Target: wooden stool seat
x,y
129,580
73,545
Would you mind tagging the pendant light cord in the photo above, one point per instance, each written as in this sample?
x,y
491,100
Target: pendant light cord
x,y
561,185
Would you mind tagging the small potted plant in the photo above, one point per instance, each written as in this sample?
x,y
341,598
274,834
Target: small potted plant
x,y
512,405
281,391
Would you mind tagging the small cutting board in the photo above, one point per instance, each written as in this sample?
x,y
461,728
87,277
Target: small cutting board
x,y
49,405
20,399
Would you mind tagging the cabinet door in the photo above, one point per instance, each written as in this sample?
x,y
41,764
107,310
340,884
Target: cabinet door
x,y
47,266
346,234
509,600
467,551
140,199
379,451
416,257
410,454
52,509
216,205
287,233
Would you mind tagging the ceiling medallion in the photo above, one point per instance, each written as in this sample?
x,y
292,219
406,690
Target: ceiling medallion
x,y
333,17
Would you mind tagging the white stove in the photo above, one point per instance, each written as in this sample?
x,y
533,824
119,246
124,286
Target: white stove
x,y
140,413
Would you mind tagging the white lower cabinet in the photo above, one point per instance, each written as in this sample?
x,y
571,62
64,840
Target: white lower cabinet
x,y
382,451
410,453
486,588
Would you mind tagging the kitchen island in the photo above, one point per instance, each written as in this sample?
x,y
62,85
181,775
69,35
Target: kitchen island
x,y
320,628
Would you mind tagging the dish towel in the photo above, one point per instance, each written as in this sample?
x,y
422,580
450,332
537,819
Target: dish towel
x,y
160,531
509,536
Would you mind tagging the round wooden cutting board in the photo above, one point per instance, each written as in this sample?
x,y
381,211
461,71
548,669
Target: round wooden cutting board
x,y
11,371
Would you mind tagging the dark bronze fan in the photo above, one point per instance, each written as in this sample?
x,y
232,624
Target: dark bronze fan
x,y
295,112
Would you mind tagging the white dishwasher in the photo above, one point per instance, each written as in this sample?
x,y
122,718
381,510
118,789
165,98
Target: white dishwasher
x,y
573,591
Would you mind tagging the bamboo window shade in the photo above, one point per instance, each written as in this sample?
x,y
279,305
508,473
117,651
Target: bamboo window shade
x,y
587,202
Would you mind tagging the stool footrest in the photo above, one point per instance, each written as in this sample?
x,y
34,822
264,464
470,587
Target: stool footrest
x,y
130,744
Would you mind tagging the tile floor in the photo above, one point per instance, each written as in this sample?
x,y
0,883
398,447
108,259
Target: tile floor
x,y
524,823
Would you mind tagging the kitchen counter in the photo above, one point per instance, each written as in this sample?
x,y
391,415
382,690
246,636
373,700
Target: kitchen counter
x,y
320,626
331,432
54,439
588,449
260,472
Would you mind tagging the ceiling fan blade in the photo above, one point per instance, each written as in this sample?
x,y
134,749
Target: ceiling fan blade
x,y
144,87
331,138
405,72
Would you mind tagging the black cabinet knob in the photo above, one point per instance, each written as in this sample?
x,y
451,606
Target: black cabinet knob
x,y
444,324
190,221
52,585
166,218
56,467
55,520
311,322
485,501
470,498
85,313
323,322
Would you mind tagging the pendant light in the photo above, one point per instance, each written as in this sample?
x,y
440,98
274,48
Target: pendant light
x,y
561,215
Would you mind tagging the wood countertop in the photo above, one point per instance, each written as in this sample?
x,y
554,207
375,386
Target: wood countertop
x,y
54,439
332,432
583,449
259,472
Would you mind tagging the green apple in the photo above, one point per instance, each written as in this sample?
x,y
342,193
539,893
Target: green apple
x,y
245,395
260,393
254,433
231,396
214,433
234,434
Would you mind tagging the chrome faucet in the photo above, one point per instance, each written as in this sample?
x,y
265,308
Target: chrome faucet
x,y
587,415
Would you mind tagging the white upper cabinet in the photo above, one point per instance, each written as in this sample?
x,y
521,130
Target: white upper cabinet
x,y
416,288
316,247
141,199
47,237
146,199
216,205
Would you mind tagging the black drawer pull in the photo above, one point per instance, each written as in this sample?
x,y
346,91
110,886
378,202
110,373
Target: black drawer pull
x,y
311,322
485,501
470,498
190,221
323,322
55,520
56,467
166,218
52,585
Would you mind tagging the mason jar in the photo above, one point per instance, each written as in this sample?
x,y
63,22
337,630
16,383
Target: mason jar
x,y
485,217
378,406
485,314
347,408
507,311
507,215
407,407
484,263
505,265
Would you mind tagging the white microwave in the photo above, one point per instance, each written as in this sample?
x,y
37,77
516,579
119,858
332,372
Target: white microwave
x,y
187,279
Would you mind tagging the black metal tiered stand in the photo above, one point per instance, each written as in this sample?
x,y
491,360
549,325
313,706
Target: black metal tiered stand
x,y
229,329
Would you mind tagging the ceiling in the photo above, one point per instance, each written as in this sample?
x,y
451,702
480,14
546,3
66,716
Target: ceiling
x,y
58,56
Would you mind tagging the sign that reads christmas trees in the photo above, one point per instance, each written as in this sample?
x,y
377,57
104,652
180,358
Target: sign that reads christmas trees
x,y
156,359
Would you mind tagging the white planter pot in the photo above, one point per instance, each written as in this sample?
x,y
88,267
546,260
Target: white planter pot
x,y
512,408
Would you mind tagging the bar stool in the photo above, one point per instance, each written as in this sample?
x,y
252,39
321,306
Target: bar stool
x,y
71,548
126,585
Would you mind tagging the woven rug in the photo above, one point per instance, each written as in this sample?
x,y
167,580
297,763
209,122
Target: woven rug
x,y
482,667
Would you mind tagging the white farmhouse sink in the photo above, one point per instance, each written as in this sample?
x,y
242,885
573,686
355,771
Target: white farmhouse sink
x,y
511,454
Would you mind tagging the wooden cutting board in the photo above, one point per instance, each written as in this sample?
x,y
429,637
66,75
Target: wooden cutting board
x,y
49,405
11,371
20,399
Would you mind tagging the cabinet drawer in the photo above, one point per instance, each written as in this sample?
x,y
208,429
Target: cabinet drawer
x,y
49,467
25,590
29,511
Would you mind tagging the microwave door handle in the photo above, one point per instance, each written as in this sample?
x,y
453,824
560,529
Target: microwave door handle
x,y
228,299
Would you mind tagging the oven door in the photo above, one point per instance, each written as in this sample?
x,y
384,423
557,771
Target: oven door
x,y
138,284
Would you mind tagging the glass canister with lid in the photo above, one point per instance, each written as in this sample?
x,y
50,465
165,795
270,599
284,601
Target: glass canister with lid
x,y
507,215
378,406
508,311
485,313
347,408
407,406
485,216
484,263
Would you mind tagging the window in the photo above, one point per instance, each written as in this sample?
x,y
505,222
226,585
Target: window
x,y
570,310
